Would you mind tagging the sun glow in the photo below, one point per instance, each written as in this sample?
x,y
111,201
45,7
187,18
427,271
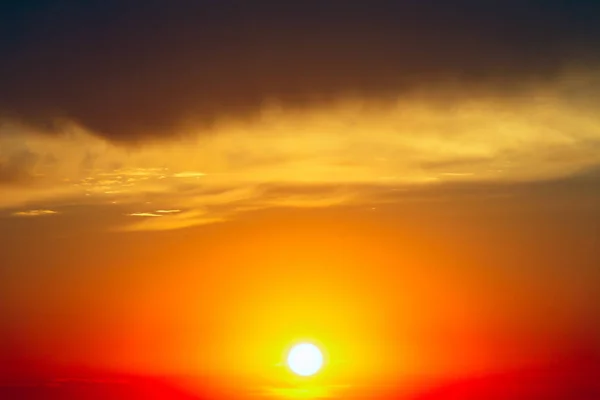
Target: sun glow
x,y
305,359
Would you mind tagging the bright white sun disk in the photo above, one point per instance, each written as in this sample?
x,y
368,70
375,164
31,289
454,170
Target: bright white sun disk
x,y
305,359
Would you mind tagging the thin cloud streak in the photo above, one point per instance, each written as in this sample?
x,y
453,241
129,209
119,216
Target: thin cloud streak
x,y
34,213
144,215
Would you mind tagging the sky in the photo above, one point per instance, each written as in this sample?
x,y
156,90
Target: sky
x,y
189,188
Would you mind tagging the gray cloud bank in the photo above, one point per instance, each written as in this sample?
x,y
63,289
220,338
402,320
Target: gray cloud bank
x,y
128,70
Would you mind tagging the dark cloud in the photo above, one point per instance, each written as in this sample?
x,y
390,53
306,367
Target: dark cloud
x,y
132,69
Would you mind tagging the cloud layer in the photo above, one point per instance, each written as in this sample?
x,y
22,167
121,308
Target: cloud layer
x,y
354,152
132,70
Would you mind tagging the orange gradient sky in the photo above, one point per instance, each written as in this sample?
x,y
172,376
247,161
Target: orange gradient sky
x,y
405,252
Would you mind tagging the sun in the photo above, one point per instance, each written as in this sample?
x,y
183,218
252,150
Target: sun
x,y
305,359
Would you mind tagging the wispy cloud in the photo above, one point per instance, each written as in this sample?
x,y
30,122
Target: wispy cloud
x,y
189,174
144,215
34,213
174,221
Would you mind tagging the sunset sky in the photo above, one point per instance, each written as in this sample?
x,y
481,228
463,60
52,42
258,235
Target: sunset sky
x,y
189,188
